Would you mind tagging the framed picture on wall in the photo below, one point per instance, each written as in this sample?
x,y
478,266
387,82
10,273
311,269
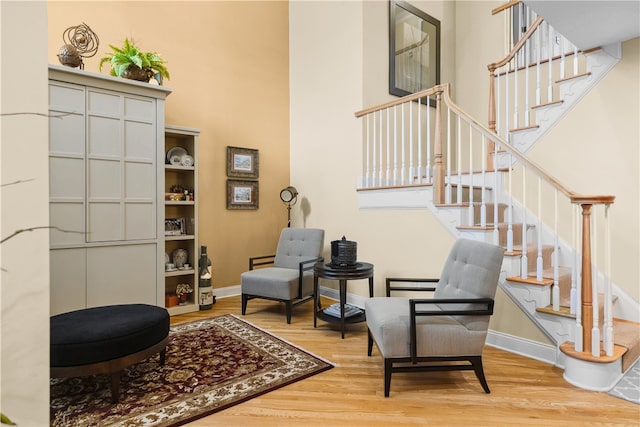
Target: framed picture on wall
x,y
242,162
242,194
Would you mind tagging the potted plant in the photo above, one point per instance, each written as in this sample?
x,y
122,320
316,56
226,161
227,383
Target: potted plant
x,y
130,62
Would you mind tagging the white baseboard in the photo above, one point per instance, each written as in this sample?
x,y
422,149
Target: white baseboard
x,y
522,346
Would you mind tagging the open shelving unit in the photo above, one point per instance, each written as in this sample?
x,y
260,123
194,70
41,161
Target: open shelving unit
x,y
185,208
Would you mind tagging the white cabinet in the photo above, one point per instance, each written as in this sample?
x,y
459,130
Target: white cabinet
x,y
181,207
106,189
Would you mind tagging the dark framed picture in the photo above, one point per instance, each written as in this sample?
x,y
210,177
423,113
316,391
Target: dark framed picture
x,y
242,194
242,162
414,50
174,227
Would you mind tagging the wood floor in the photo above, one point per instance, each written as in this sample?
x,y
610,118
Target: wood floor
x,y
523,391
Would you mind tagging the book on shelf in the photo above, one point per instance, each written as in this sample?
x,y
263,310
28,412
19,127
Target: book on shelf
x,y
349,310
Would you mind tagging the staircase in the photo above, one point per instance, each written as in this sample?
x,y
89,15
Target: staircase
x,y
557,264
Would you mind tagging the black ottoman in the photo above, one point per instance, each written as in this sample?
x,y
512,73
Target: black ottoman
x,y
105,340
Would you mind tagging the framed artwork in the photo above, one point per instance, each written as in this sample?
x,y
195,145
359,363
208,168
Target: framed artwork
x,y
242,162
174,227
242,194
414,50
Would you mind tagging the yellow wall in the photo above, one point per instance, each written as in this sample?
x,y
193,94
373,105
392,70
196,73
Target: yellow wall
x,y
229,65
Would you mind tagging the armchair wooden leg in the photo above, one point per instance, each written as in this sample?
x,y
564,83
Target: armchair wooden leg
x,y
288,308
388,366
476,361
245,298
369,343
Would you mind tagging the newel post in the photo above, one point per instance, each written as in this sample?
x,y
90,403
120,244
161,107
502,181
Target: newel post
x,y
438,170
586,291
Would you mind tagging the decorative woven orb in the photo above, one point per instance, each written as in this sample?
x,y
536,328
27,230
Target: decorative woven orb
x,y
69,56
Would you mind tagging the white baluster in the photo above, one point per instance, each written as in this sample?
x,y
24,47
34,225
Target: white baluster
x,y
539,265
381,168
447,192
573,301
471,208
483,204
403,172
459,164
578,261
411,168
608,315
562,59
575,60
538,55
395,145
550,66
510,207
374,170
419,104
595,308
556,253
367,172
496,232
516,90
524,259
388,174
428,171
498,103
526,82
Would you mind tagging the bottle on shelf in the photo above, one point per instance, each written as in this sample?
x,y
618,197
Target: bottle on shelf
x,y
205,290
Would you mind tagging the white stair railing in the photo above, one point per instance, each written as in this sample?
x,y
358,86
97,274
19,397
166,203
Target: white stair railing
x,y
419,139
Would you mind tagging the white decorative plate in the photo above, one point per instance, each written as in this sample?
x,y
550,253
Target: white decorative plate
x,y
177,152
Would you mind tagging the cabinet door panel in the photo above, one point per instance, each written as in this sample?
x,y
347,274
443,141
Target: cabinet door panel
x,y
104,137
66,134
108,104
140,181
139,141
104,180
66,178
104,222
140,109
67,216
121,275
66,97
68,280
140,221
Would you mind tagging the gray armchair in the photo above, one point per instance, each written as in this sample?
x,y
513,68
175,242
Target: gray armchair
x,y
290,278
450,327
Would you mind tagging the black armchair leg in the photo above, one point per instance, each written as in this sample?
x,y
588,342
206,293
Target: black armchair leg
x,y
245,298
369,343
288,308
476,361
388,367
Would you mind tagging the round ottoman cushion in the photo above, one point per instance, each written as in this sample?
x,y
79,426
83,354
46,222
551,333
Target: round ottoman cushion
x,y
100,334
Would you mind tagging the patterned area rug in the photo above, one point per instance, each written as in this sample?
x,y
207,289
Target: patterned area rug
x,y
211,365
628,388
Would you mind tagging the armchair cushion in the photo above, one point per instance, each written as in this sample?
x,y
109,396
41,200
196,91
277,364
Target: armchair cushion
x,y
276,282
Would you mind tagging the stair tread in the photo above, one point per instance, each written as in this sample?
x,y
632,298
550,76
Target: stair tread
x,y
577,76
548,104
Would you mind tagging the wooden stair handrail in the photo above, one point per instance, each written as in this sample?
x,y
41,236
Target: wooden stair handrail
x,y
505,6
413,97
574,197
526,36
